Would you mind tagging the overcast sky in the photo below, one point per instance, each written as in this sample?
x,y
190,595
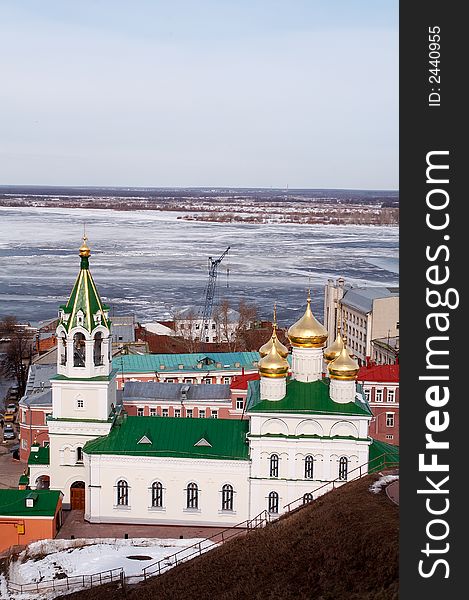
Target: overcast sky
x,y
199,93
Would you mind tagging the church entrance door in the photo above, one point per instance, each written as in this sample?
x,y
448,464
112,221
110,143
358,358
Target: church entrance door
x,y
77,495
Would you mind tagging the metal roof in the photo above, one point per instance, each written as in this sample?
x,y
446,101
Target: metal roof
x,y
153,390
309,398
198,361
12,503
362,298
43,399
39,375
175,437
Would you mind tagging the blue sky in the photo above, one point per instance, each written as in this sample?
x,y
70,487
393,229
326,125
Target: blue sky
x,y
199,93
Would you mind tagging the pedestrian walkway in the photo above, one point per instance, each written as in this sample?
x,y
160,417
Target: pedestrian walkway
x,y
74,524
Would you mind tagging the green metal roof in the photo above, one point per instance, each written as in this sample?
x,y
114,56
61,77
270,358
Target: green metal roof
x,y
40,457
376,458
309,398
172,436
84,297
151,363
13,503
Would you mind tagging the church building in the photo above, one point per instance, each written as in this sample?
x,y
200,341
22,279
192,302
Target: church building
x,y
303,430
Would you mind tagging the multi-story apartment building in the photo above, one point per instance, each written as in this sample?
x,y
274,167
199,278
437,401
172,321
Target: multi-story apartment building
x,y
366,314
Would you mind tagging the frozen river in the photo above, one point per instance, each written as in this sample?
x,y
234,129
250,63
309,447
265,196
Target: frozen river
x,y
149,262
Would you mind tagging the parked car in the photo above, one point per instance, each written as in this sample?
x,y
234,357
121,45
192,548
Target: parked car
x,y
11,408
9,417
9,433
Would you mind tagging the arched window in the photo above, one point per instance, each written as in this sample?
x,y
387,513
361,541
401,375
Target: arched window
x,y
78,350
227,495
63,349
273,502
79,454
343,468
157,494
309,467
122,493
307,498
192,499
274,465
98,349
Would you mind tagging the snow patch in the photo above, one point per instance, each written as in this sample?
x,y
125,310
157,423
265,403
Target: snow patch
x,y
383,481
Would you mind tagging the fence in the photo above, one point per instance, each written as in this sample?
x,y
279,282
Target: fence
x,y
381,462
69,583
243,528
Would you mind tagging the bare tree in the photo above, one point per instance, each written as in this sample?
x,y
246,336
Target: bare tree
x,y
18,354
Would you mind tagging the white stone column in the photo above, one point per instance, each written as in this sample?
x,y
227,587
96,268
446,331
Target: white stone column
x,y
273,388
307,364
342,391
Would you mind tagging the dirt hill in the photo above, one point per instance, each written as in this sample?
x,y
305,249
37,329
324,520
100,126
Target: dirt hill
x,y
343,546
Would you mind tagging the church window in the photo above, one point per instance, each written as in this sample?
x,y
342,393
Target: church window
x,y
98,350
63,350
157,495
80,403
273,502
274,465
309,464
79,455
192,496
122,493
227,495
343,468
78,350
308,497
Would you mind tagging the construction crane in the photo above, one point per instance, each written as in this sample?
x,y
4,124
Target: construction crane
x,y
210,293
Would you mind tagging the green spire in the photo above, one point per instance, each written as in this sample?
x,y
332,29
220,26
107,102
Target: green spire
x,y
84,300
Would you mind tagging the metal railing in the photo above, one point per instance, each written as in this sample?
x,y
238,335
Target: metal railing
x,y
67,583
159,567
381,462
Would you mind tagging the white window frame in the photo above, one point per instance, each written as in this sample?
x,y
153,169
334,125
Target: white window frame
x,y
140,411
378,392
239,403
391,395
390,419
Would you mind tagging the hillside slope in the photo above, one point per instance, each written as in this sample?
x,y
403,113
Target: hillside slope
x,y
343,546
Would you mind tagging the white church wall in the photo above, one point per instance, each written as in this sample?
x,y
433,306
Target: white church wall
x,y
175,474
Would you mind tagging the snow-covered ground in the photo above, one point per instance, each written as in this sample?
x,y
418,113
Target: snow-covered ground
x,y
383,481
54,559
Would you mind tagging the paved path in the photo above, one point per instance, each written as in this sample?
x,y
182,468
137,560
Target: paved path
x,y
392,491
74,524
10,470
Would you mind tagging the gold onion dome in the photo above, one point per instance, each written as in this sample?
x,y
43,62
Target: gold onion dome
x,y
274,341
84,248
308,331
343,367
273,365
332,352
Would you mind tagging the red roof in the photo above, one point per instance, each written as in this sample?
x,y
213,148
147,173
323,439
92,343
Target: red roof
x,y
379,373
241,381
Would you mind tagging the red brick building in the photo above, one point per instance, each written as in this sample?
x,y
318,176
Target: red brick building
x,y
381,389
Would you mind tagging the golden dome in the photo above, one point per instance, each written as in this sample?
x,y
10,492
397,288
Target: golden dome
x,y
343,367
308,331
273,365
84,249
281,349
332,352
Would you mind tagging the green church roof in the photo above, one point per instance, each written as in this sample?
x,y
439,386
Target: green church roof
x,y
382,455
13,503
39,456
309,398
174,437
84,297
